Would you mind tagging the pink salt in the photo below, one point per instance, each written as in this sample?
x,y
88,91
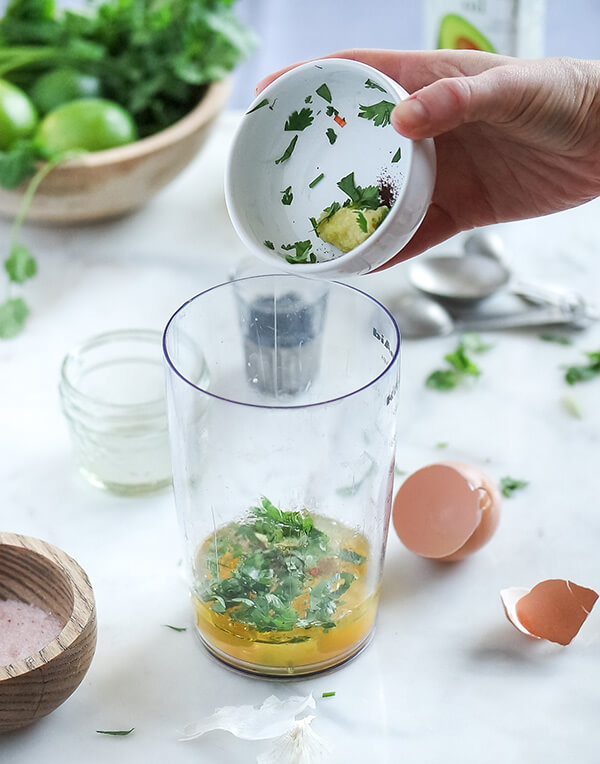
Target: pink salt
x,y
24,630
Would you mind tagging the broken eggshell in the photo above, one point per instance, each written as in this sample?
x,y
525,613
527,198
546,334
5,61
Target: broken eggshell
x,y
446,511
554,609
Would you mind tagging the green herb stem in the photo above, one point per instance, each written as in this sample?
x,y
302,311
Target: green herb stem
x,y
45,169
13,57
116,733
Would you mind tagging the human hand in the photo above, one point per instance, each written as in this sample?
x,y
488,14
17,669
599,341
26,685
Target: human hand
x,y
514,138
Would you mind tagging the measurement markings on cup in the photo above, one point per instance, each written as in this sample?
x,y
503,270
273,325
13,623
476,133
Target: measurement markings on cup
x,y
384,341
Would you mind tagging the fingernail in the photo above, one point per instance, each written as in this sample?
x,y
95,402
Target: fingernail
x,y
410,114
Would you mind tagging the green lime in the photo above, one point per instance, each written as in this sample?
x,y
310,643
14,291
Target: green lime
x,y
18,117
61,86
88,124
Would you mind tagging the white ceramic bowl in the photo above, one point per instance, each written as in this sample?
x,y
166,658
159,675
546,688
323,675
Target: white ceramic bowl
x,y
377,154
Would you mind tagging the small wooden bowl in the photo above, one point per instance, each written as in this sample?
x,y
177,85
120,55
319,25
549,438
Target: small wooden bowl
x,y
38,573
110,183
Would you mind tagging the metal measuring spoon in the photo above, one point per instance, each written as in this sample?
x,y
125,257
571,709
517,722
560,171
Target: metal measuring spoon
x,y
484,243
419,316
459,279
461,282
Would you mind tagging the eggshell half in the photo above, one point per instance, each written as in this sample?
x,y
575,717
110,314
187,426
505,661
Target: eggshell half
x,y
554,609
446,511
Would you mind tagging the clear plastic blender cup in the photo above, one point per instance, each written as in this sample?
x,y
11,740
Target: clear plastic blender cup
x,y
283,466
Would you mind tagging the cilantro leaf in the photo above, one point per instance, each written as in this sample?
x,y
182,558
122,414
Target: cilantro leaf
x,y
576,374
397,156
509,485
461,362
360,198
362,221
331,135
327,213
370,84
302,250
348,555
462,365
443,379
559,339
20,265
308,99
259,105
288,152
324,92
269,244
299,120
17,164
378,112
287,196
12,317
318,179
323,598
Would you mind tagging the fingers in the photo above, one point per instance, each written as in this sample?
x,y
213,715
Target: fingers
x,y
412,69
493,96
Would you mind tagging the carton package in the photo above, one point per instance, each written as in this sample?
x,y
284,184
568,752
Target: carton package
x,y
510,27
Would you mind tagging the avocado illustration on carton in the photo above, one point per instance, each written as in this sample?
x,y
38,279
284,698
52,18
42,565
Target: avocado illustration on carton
x,y
510,27
457,33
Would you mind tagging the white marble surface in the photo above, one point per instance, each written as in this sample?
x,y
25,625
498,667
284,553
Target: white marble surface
x,y
447,678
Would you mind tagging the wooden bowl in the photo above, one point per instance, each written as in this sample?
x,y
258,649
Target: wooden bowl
x,y
37,573
106,184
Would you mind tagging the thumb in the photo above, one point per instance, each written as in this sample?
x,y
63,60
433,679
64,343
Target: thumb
x,y
448,103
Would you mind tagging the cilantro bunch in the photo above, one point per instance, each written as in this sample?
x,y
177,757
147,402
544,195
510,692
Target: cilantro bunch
x,y
271,559
154,57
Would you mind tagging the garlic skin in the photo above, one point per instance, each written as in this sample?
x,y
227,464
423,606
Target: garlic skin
x,y
299,745
270,720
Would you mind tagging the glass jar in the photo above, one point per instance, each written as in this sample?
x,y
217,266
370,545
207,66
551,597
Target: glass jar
x,y
283,469
112,395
